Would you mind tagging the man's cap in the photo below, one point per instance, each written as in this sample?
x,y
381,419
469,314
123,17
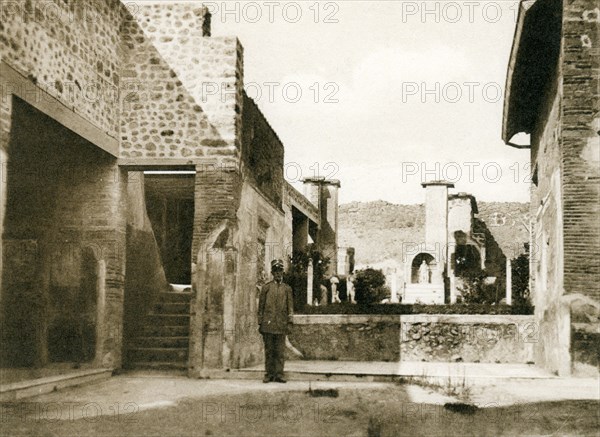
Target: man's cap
x,y
277,264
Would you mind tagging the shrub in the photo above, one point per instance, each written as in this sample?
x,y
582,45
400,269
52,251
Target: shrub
x,y
370,286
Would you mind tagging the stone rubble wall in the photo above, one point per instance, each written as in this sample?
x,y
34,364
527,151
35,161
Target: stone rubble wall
x,y
183,90
431,338
70,50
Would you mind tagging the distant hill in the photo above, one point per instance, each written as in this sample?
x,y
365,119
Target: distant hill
x,y
378,230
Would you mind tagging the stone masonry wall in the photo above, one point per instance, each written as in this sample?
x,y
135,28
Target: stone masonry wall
x,y
71,50
184,96
485,339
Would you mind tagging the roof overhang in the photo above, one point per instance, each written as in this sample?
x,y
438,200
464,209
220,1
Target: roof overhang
x,y
534,56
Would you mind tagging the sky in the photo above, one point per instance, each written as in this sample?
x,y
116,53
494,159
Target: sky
x,y
384,95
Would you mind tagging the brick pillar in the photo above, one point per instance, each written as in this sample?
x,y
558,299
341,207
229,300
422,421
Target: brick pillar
x,y
5,121
323,194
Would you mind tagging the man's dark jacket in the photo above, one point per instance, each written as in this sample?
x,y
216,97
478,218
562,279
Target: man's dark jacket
x,y
275,308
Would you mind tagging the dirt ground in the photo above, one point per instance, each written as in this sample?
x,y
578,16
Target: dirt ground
x,y
198,408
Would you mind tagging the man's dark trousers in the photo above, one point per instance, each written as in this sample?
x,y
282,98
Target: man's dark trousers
x,y
274,354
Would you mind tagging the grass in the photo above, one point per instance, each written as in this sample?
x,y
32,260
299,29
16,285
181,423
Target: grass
x,y
456,387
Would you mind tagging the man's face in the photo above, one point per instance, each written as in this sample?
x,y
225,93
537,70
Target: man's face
x,y
278,275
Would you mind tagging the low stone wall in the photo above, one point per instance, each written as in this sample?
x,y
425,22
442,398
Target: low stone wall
x,y
433,338
469,338
347,337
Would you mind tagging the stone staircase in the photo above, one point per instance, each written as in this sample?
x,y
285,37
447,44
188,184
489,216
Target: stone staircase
x,y
163,343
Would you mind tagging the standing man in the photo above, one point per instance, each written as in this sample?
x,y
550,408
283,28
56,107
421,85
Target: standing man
x,y
275,311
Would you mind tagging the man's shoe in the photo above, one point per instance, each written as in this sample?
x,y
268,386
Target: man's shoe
x,y
283,381
267,379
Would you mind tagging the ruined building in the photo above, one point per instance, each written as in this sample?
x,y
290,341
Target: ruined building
x,y
552,93
455,240
94,98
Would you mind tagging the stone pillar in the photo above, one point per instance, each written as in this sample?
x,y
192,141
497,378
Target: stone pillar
x,y
230,318
452,289
3,179
323,194
436,218
394,287
309,282
100,310
508,282
436,229
300,234
312,190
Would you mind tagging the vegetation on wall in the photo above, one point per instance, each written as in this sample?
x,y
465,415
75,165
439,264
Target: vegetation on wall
x,y
520,279
297,275
398,309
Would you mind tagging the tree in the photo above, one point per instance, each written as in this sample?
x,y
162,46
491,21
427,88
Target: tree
x,y
370,286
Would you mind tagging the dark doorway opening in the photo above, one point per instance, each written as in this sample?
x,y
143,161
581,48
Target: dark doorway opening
x,y
170,206
56,215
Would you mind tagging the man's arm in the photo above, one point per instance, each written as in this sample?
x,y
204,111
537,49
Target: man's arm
x,y
261,303
290,304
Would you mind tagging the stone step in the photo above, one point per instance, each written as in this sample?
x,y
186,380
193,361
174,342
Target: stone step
x,y
171,308
179,366
166,330
167,320
158,354
34,387
161,341
171,296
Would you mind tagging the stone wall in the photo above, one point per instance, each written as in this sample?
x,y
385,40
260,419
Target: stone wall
x,y
580,151
566,195
393,231
347,338
231,266
485,339
69,49
262,152
64,244
547,250
580,162
182,89
433,338
262,236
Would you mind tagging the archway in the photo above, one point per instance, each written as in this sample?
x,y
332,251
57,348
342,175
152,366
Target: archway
x,y
416,265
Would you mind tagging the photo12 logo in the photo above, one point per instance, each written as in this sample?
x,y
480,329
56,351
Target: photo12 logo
x,y
459,12
272,12
273,92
